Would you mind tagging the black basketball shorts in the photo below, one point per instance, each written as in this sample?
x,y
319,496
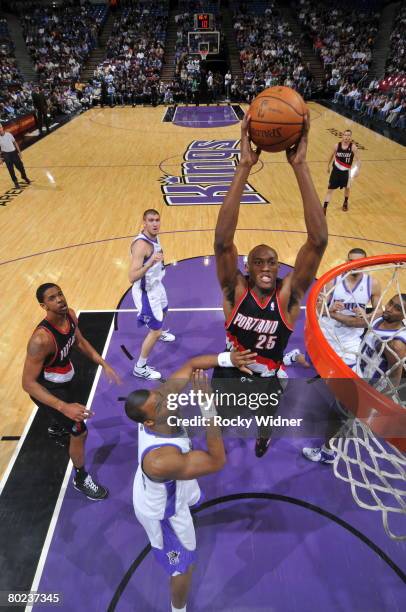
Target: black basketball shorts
x,y
339,179
65,394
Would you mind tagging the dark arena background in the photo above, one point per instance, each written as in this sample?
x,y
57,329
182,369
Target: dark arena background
x,y
122,106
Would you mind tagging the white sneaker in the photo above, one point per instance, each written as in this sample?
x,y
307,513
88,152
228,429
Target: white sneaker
x,y
320,454
166,336
147,372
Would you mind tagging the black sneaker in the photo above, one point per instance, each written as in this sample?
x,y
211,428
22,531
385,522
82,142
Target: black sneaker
x,y
91,489
261,446
27,180
16,185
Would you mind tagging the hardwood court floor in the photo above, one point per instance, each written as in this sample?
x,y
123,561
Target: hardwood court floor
x,y
94,177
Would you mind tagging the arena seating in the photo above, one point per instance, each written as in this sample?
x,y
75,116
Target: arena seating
x,y
269,54
15,97
134,54
60,39
342,36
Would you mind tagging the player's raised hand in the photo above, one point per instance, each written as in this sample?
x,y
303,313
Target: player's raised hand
x,y
200,382
297,154
248,156
241,359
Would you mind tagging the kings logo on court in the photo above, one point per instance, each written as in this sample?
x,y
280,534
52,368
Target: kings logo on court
x,y
207,171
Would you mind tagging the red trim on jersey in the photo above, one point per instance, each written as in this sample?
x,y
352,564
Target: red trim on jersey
x,y
65,333
283,317
60,369
270,363
229,319
341,163
256,298
54,340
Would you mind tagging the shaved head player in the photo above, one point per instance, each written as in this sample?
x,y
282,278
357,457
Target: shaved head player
x,y
260,308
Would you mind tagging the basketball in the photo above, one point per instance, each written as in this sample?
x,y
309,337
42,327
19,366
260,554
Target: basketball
x,y
277,117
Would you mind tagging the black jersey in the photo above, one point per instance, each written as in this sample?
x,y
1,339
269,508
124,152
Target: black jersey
x,y
59,369
344,157
260,327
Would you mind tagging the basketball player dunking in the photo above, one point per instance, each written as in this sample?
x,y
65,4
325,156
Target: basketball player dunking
x,y
261,309
146,273
49,377
344,153
165,485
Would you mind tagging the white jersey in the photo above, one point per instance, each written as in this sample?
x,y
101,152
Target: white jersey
x,y
161,500
155,274
343,339
372,362
357,297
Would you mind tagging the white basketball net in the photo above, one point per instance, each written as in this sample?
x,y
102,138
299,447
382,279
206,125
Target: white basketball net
x,y
374,469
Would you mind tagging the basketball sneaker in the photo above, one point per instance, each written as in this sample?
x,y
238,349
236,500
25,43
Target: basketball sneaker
x,y
261,446
321,454
166,336
90,488
147,372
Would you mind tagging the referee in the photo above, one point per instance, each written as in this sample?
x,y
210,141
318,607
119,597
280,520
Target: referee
x,y
10,152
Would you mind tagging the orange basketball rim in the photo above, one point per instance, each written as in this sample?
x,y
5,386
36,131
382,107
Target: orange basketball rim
x,y
381,414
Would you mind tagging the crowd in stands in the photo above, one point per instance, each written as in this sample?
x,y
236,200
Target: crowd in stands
x,y
384,100
134,54
373,103
60,38
15,96
342,36
269,54
396,62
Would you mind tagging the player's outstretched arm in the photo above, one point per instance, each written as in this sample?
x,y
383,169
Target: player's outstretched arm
x,y
309,256
178,380
224,247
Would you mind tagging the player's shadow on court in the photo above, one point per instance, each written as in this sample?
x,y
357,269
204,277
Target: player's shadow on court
x,y
255,559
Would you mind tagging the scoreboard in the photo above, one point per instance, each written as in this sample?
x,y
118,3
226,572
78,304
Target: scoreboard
x,y
203,21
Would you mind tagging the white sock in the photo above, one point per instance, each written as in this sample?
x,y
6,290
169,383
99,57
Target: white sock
x,y
178,609
141,362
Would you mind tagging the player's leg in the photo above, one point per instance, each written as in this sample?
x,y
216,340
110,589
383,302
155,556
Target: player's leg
x,y
141,369
173,542
327,199
20,167
8,158
346,196
180,586
165,336
150,314
82,480
274,391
